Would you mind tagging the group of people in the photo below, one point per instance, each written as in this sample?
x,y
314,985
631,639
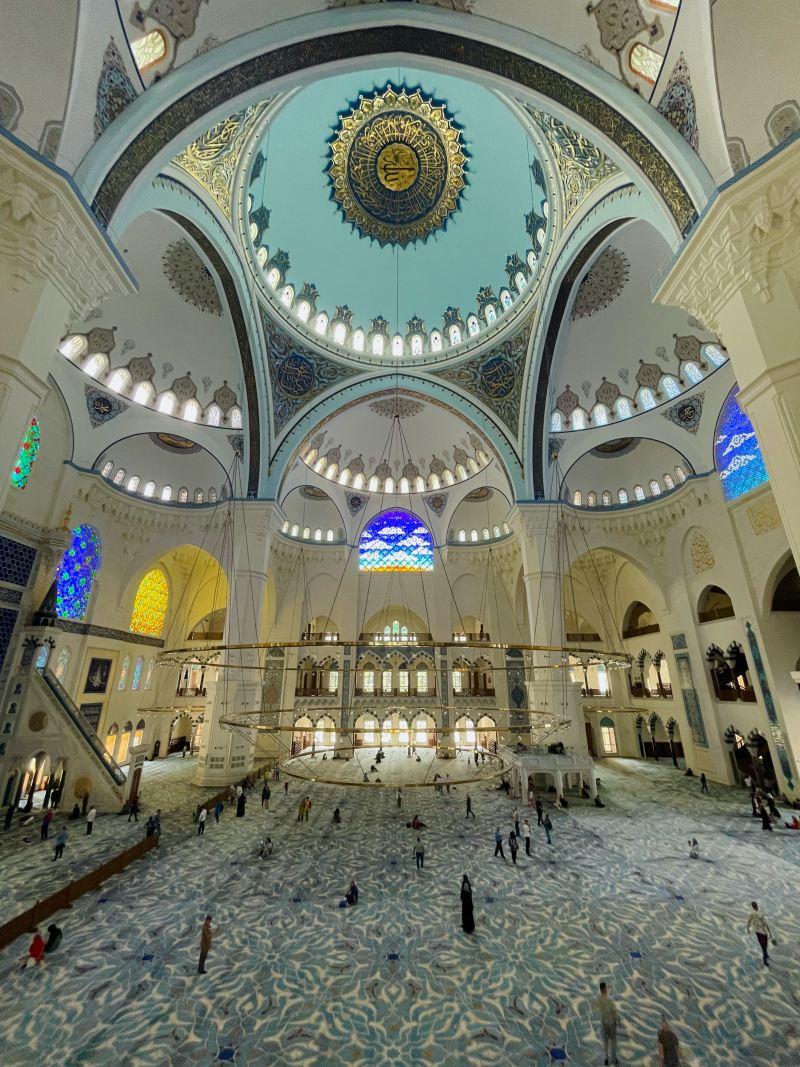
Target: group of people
x,y
669,1047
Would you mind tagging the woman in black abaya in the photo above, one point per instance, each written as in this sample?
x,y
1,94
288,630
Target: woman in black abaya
x,y
467,916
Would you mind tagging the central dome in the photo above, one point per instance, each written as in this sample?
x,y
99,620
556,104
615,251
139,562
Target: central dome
x,y
397,166
396,213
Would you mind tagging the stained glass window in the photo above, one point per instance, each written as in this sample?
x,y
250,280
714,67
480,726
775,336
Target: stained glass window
x,y
28,451
76,573
395,540
150,604
41,657
148,678
62,663
149,50
737,455
123,673
137,673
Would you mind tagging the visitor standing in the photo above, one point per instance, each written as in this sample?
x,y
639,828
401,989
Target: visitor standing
x,y
61,841
157,822
607,1013
516,823
467,914
241,801
548,826
201,822
207,934
498,844
669,1048
766,822
447,782
399,799
47,818
265,796
526,833
419,853
512,844
90,819
539,810
703,783
217,810
469,807
133,810
286,788
9,816
759,925
308,808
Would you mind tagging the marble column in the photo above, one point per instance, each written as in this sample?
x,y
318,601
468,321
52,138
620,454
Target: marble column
x,y
739,274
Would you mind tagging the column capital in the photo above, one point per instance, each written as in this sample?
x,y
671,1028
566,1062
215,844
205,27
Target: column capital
x,y
749,233
48,233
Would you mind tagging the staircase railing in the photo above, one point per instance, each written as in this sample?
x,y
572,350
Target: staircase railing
x,y
82,725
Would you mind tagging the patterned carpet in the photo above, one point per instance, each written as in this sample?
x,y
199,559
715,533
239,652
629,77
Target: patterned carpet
x,y
294,979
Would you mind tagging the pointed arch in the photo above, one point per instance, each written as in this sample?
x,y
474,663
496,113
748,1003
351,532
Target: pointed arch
x,y
150,604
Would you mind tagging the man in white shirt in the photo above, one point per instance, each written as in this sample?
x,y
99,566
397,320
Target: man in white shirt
x,y
201,822
759,925
90,820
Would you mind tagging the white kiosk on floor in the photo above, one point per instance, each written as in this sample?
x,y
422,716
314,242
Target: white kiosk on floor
x,y
558,768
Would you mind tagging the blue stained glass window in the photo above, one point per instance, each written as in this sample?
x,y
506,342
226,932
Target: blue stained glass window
x,y
737,455
137,672
395,540
76,573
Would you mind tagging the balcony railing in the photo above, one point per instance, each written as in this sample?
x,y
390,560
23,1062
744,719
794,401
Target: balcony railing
x,y
190,691
315,691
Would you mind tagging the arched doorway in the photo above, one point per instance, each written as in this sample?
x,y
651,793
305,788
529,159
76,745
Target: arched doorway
x,y
464,734
325,733
487,733
303,734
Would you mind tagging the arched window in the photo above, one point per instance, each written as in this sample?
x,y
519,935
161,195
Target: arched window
x,y
531,257
622,408
638,492
473,535
273,277
124,742
96,365
606,498
490,314
680,474
191,410
133,483
167,402
645,62
235,418
119,380
669,481
262,255
436,341
520,281
377,344
577,498
72,347
42,656
395,540
600,415
321,324
578,419
212,495
150,604
670,386
287,296
556,422
692,372
149,489
111,739
505,299
340,333
591,499
416,344
608,736
198,496
62,663
714,354
655,488
123,673
472,325
398,347
119,477
148,678
137,672
166,493
358,340
622,496
138,733
454,335
645,398
149,49
737,454
183,495
144,393
26,457
108,466
76,573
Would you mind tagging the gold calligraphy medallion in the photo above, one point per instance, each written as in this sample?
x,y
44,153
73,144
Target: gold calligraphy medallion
x,y
397,166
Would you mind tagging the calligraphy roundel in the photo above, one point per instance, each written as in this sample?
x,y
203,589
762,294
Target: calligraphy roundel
x,y
295,375
397,166
497,377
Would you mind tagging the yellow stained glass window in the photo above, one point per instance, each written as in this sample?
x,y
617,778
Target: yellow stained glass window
x,y
149,50
150,604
